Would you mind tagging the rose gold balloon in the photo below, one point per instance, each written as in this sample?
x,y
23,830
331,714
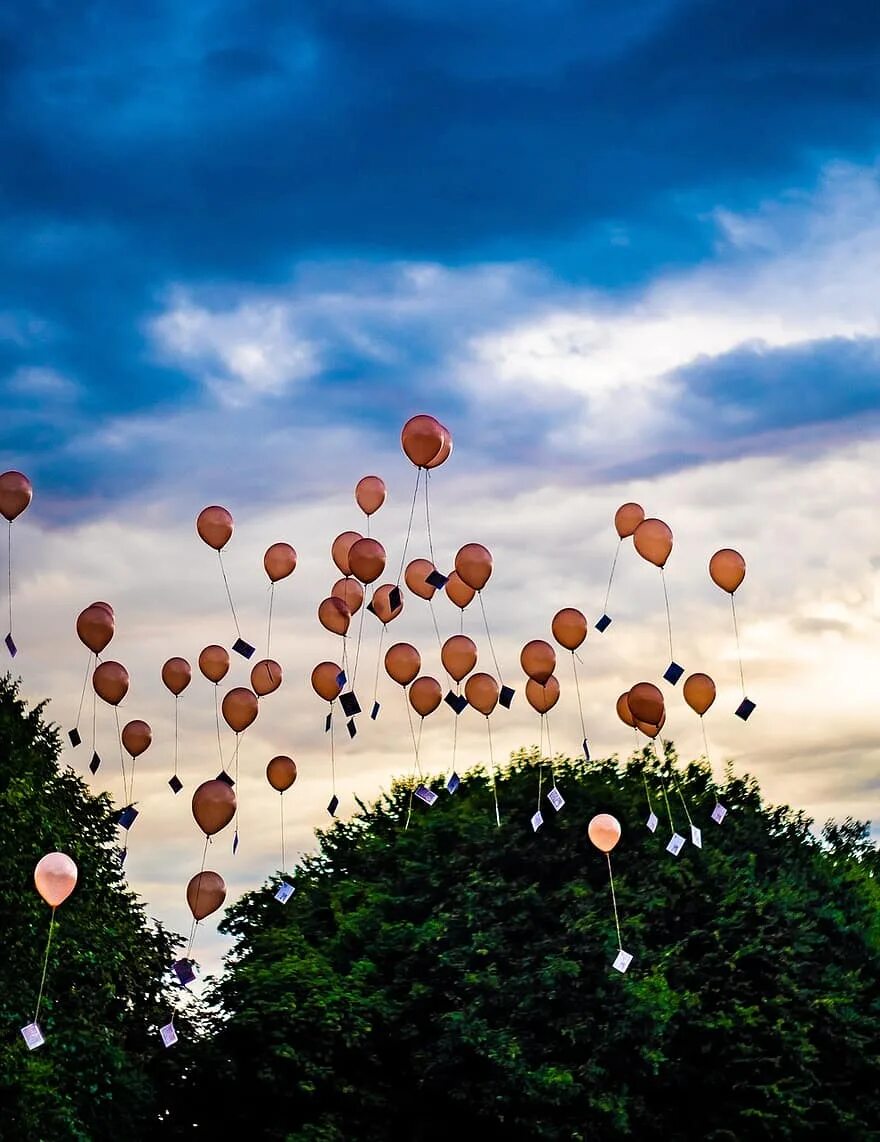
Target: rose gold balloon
x,y
55,877
215,526
177,675
381,603
445,449
623,710
366,559
334,615
266,677
370,494
728,569
474,565
281,772
351,593
213,806
538,660
95,627
459,592
16,493
214,663
205,893
324,680
136,737
646,703
110,681
422,438
481,691
342,544
402,662
569,628
459,656
104,606
604,832
649,729
240,707
542,698
279,561
699,692
627,518
415,575
653,541
425,695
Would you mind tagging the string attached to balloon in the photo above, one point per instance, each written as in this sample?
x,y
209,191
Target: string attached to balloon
x,y
281,774
215,526
425,695
239,708
569,628
55,878
626,519
279,561
699,693
135,737
459,657
327,682
482,692
16,493
542,697
366,560
214,665
653,541
604,833
176,675
727,569
95,627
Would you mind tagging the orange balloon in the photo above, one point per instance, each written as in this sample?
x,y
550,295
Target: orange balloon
x,y
422,438
104,606
604,832
459,656
481,691
370,494
381,603
215,526
569,628
110,681
458,591
95,627
699,692
351,593
474,565
445,449
213,806
205,893
623,710
279,561
538,660
425,695
402,662
366,558
649,729
240,707
324,680
728,569
415,575
136,737
55,877
266,677
334,614
177,675
627,518
16,493
542,698
214,663
646,703
281,772
342,544
653,541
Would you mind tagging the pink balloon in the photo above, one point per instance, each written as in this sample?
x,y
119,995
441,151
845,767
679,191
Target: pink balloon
x,y
55,878
604,832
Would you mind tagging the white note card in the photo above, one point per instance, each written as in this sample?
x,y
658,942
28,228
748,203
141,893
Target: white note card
x,y
652,823
284,893
169,1035
33,1036
696,837
425,794
719,813
676,844
622,961
555,798
537,821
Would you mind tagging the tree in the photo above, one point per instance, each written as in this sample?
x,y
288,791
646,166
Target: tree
x,y
102,1070
456,977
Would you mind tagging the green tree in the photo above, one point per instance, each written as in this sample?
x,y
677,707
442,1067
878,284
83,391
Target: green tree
x,y
456,977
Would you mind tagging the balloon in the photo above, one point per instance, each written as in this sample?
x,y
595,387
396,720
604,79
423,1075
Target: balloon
x,y
415,575
653,541
569,628
370,494
728,569
424,695
381,603
213,806
538,660
16,492
95,627
623,710
649,729
402,662
104,606
110,681
542,698
604,832
366,559
474,565
627,518
214,663
445,450
266,677
177,675
481,691
215,526
324,680
699,692
351,593
136,737
458,591
342,544
646,703
55,877
205,893
422,438
279,561
240,707
334,614
459,656
281,772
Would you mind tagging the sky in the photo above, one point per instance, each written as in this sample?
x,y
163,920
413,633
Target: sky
x,y
624,252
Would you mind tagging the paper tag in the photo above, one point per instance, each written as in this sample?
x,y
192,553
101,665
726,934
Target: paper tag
x,y
341,679
586,750
126,817
243,648
719,813
333,806
224,776
33,1036
351,727
676,844
374,713
602,624
169,1035
284,893
75,739
537,821
555,798
622,961
745,709
425,794
328,722
235,843
696,837
453,783
183,969
505,696
94,763
175,783
10,646
652,823
673,672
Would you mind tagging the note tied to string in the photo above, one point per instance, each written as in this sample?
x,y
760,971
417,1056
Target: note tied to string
x,y
169,1035
33,1036
652,822
453,783
696,837
349,703
374,713
745,709
622,961
126,817
505,696
175,783
537,821
425,794
719,813
676,844
333,805
284,893
555,798
10,646
602,624
95,763
673,673
75,739
243,648
183,969
437,580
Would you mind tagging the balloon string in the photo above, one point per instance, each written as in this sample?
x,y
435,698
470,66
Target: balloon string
x,y
192,931
541,762
357,651
668,616
176,736
412,783
614,903
550,751
647,792
82,696
678,788
94,719
494,781
229,594
45,966
283,861
235,764
332,752
488,636
663,784
461,621
706,748
428,516
9,568
436,627
577,687
611,577
455,729
121,758
269,624
378,664
217,722
412,512
738,650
